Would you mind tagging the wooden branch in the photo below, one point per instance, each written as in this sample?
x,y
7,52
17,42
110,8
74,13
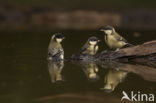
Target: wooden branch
x,y
144,54
140,50
143,50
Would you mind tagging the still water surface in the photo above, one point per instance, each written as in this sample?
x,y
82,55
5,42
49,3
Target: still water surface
x,y
27,77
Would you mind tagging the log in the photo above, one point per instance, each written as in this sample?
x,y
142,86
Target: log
x,y
143,52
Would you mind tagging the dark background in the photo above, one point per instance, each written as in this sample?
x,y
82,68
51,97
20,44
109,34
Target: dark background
x,y
40,15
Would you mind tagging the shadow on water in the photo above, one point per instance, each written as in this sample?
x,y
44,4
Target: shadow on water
x,y
25,78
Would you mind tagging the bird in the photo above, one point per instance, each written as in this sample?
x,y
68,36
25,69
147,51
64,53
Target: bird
x,y
113,39
55,49
90,47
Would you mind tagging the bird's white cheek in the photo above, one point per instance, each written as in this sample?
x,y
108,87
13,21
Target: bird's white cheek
x,y
108,31
59,40
93,42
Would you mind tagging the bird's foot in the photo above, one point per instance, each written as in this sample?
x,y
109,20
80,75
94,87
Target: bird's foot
x,y
117,50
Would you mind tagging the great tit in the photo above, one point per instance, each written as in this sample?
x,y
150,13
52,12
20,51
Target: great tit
x,y
90,46
113,39
55,49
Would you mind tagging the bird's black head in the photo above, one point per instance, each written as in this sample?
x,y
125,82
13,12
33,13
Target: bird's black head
x,y
58,37
104,28
107,30
93,40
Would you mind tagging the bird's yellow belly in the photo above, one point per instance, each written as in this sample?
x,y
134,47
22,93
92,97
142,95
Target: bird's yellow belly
x,y
91,50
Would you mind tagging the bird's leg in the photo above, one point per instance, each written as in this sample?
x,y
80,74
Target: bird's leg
x,y
117,49
107,50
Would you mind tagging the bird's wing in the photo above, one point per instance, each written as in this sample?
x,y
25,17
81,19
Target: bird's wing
x,y
120,38
84,48
95,48
53,52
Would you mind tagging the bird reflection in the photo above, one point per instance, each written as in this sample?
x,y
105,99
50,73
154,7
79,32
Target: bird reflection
x,y
91,70
113,78
55,69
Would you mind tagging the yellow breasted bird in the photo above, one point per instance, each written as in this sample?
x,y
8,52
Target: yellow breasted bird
x,y
90,46
113,39
55,49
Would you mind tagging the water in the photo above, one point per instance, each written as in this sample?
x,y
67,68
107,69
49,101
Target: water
x,y
25,76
